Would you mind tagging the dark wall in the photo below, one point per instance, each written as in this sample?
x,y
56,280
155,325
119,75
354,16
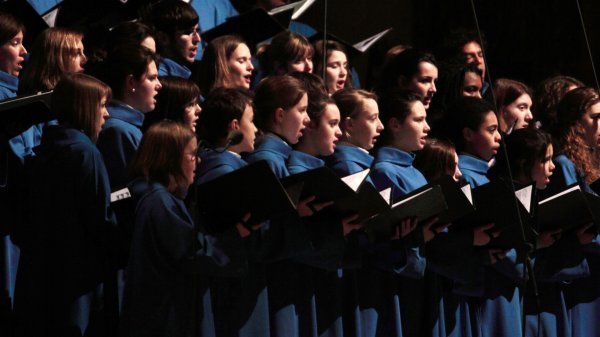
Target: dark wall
x,y
526,40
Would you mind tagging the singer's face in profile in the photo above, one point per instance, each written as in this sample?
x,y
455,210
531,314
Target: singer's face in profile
x,y
328,130
472,84
485,141
363,129
248,129
294,120
191,113
518,111
190,160
542,169
591,124
412,132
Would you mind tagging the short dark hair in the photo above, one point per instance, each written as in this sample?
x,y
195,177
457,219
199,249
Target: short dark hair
x,y
396,103
523,147
172,99
466,112
129,33
122,62
10,27
273,92
220,107
170,18
405,64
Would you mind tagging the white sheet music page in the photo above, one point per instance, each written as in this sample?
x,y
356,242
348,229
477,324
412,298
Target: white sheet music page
x,y
354,180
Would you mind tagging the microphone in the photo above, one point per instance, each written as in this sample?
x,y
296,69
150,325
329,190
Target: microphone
x,y
234,138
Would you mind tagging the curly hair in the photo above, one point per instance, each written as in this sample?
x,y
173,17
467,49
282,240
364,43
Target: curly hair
x,y
569,132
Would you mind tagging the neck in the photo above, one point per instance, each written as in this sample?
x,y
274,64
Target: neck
x,y
305,147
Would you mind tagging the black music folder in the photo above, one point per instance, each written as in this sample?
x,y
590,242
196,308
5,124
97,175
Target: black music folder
x,y
422,204
254,26
458,198
324,184
495,202
20,113
569,209
224,201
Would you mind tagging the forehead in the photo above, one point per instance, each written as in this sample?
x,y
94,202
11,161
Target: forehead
x,y
489,119
471,47
240,51
523,99
472,79
331,112
337,56
151,69
368,107
426,69
594,109
418,109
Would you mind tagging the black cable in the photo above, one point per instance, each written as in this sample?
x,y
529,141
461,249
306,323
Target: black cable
x,y
527,258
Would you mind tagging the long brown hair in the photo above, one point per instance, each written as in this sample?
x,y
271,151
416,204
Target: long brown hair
x,y
160,155
569,133
214,69
51,53
173,98
76,102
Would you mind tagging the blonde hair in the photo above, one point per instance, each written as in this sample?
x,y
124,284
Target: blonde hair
x,y
51,53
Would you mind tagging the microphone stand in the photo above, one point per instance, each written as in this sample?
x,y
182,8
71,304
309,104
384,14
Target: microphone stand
x,y
526,252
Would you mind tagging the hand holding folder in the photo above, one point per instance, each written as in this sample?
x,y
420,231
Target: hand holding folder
x,y
252,189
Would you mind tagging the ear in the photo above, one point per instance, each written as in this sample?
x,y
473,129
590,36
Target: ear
x,y
234,125
394,124
279,115
347,124
130,83
467,134
402,81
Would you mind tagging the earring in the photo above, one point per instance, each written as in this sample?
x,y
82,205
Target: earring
x,y
132,89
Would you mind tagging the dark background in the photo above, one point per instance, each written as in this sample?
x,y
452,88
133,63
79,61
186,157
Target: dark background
x,y
527,40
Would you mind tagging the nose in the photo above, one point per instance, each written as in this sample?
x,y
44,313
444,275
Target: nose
x,y
380,126
198,110
308,66
306,119
552,166
478,94
338,132
528,115
196,37
457,173
426,129
343,72
158,84
250,66
497,137
83,59
433,88
23,51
